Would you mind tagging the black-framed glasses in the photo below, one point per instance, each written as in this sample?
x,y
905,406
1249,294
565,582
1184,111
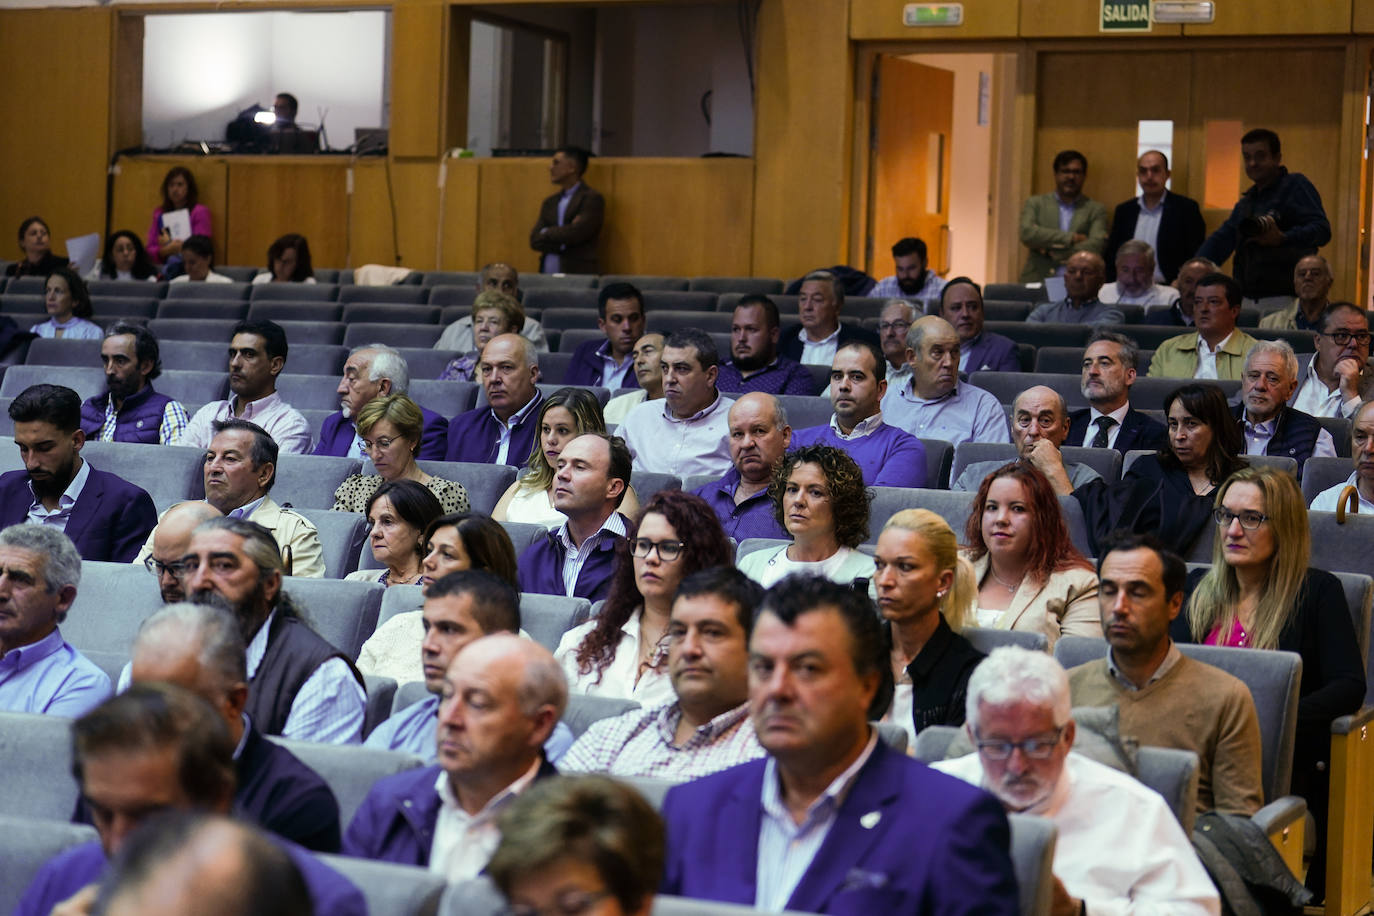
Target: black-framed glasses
x,y
176,569
1249,519
668,551
1343,337
1040,747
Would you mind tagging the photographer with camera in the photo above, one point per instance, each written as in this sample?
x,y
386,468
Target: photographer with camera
x,y
1277,222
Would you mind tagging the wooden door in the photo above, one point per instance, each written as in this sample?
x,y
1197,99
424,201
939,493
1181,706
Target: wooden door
x,y
913,124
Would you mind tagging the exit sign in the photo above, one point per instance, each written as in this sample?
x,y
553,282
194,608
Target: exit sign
x,y
1125,16
915,15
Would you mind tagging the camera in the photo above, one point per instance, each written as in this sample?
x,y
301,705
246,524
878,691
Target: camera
x,y
1255,226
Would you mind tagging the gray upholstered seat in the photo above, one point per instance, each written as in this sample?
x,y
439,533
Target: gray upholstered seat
x,y
403,890
309,481
583,710
26,845
341,539
343,612
111,603
37,751
547,617
169,473
349,769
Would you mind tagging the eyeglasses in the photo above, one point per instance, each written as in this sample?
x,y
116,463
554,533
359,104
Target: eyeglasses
x,y
1249,519
383,442
1040,748
902,326
175,569
668,551
1344,337
571,904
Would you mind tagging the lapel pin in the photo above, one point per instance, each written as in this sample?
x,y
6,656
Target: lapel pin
x,y
870,820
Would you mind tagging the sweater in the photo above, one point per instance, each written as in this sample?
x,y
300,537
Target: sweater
x,y
888,456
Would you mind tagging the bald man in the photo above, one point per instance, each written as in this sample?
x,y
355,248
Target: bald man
x,y
1084,275
1039,426
168,543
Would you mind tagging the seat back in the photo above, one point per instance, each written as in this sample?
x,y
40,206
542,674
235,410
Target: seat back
x,y
350,770
37,751
87,381
48,351
207,290
169,473
1342,547
111,603
387,887
299,292
1032,855
583,710
484,482
939,463
647,483
195,386
985,640
408,694
309,392
399,599
1317,474
804,412
762,286
343,612
26,845
309,481
295,310
381,693
1173,774
547,617
522,534
393,334
952,506
446,398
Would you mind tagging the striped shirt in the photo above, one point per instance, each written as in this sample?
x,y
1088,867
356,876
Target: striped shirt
x,y
574,557
642,742
330,705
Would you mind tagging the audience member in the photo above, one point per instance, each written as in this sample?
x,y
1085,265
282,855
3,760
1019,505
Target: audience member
x,y
1083,276
179,192
648,354
68,304
912,279
36,257
686,434
1040,426
493,313
961,304
754,363
1169,493
130,410
1030,575
502,697
569,219
1312,281
1056,225
39,671
818,495
397,514
392,427
1273,225
706,728
935,405
831,801
150,749
894,321
609,363
1362,478
888,456
1180,314
124,258
201,649
926,594
1135,278
257,355
459,607
198,262
1109,371
299,686
288,261
496,277
1339,376
1270,426
1164,698
759,436
1118,845
371,372
105,516
1169,223
172,536
623,650
502,430
818,306
1217,349
577,558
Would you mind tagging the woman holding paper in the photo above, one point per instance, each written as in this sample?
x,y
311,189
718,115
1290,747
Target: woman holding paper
x,y
180,216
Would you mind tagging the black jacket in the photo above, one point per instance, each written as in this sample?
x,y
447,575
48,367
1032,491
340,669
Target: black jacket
x,y
1181,233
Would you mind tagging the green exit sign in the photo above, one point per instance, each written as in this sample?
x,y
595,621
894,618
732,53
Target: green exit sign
x,y
1125,15
932,14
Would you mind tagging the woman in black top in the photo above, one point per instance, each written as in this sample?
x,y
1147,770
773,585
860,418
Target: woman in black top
x,y
35,243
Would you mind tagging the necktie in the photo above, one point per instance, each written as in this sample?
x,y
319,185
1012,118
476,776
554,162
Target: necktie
x,y
1104,424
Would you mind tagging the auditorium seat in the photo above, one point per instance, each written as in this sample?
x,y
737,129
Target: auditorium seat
x,y
399,599
404,294
341,537
196,386
1320,474
392,334
112,663
549,298
309,392
820,377
202,308
1105,461
350,770
446,398
312,332
1042,334
451,278
761,286
484,482
207,290
309,481
452,296
109,309
111,603
583,710
1339,428
343,612
298,292
787,306
985,640
127,289
26,845
1033,292
388,888
425,363
529,281
38,782
572,338
647,483
1005,386
1149,392
408,694
381,691
216,329
169,473
292,310
47,351
887,501
317,359
344,277
237,273
804,412
994,310
577,318
85,380
391,312
665,322
547,617
678,301
644,282
1341,547
522,534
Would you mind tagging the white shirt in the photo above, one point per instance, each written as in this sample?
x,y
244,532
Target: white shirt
x,y
57,518
1327,500
653,688
503,443
1207,357
819,352
1257,436
665,444
464,843
1120,849
1316,399
1119,415
575,557
330,706
1147,229
210,277
1113,294
769,566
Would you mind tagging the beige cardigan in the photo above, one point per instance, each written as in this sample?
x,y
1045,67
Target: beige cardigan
x,y
1066,604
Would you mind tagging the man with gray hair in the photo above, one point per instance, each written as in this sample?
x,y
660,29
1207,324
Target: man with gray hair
x,y
375,371
1039,426
935,404
759,438
201,648
1135,278
1109,371
818,306
1271,427
1119,846
502,430
39,672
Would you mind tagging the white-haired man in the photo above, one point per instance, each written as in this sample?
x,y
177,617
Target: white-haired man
x,y
375,371
1270,426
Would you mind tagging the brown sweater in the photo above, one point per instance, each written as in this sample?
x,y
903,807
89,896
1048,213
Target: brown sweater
x,y
1193,707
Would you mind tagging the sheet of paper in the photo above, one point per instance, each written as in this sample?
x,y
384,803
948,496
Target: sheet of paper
x,y
1054,289
178,222
82,252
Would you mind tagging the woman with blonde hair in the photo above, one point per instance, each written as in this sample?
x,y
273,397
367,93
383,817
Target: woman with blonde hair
x,y
926,593
391,428
493,313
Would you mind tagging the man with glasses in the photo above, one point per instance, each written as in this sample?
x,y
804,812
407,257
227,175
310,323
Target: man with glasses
x,y
1118,842
1270,426
754,363
1339,377
961,304
577,558
1061,222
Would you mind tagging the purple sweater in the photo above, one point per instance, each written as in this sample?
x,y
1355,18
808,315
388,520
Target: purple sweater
x,y
888,456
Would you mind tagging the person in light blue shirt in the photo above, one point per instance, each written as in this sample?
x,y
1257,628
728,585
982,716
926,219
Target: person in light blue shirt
x,y
459,608
935,404
1083,277
39,672
69,304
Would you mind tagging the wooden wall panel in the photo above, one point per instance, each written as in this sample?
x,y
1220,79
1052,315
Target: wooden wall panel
x,y
1276,17
1078,19
509,192
460,216
1362,17
871,20
138,190
414,184
269,198
418,43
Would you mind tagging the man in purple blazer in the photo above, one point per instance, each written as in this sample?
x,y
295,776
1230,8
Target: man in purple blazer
x,y
832,820
106,517
502,430
577,559
961,304
375,371
610,363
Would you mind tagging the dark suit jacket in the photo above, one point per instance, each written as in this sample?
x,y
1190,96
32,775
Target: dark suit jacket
x,y
1137,431
1181,233
790,344
993,353
336,436
110,520
585,367
906,840
575,240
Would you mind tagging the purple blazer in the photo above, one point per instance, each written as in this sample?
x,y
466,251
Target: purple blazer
x,y
585,367
541,567
906,840
336,436
110,521
473,436
992,353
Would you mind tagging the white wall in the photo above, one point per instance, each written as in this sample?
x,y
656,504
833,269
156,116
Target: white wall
x,y
201,69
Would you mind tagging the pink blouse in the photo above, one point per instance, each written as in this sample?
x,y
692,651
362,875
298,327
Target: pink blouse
x,y
200,225
1237,638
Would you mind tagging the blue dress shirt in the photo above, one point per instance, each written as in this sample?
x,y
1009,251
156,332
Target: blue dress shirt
x,y
411,731
51,678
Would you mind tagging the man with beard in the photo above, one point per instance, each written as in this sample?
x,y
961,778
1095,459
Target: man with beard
x,y
375,371
299,686
754,363
1109,371
105,516
130,410
911,280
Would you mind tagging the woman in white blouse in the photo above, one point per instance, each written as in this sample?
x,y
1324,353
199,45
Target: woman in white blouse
x,y
69,308
623,651
819,497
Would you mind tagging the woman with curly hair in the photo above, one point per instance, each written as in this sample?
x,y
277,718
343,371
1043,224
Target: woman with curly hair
x,y
124,259
623,651
288,261
1029,574
819,497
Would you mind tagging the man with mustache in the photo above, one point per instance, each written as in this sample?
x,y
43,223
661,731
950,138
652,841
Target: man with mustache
x,y
130,410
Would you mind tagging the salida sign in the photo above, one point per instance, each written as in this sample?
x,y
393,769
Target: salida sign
x,y
1125,15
